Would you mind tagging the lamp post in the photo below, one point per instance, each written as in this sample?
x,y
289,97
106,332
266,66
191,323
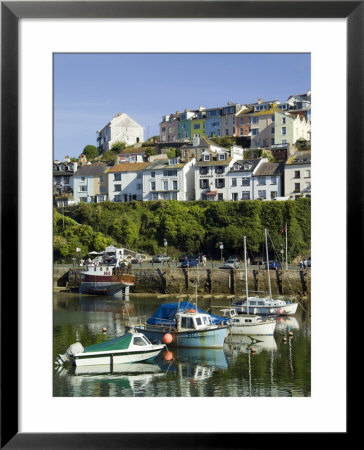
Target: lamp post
x,y
165,245
78,250
221,248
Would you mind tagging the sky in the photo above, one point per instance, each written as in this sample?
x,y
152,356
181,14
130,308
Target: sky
x,y
90,89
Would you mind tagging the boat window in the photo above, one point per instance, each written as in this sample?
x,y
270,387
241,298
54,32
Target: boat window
x,y
198,321
139,341
186,322
235,320
205,320
253,303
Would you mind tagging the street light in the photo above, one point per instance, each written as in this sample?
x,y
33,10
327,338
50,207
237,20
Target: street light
x,y
221,248
165,245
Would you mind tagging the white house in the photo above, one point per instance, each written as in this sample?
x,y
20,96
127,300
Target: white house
x,y
240,178
63,172
297,175
169,179
211,172
90,183
121,128
125,182
268,180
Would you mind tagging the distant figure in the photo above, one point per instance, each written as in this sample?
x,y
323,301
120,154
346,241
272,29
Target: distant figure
x,y
301,264
204,260
305,264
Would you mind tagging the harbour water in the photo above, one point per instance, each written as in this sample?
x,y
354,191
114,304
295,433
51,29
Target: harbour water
x,y
280,366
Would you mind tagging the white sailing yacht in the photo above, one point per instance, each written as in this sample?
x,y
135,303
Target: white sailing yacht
x,y
267,305
246,323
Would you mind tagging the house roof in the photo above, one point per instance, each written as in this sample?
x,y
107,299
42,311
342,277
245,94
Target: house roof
x,y
92,170
163,164
272,110
301,157
225,162
249,109
241,162
270,168
129,167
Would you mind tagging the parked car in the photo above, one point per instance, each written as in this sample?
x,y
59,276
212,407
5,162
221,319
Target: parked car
x,y
274,265
231,264
160,258
193,262
235,257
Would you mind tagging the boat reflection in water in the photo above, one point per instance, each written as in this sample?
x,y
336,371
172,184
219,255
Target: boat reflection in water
x,y
118,380
195,364
236,344
286,324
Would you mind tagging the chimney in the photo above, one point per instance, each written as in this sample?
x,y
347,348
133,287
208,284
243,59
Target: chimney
x,y
67,159
260,100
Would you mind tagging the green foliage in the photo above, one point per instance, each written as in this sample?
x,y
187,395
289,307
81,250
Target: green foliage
x,y
150,151
174,152
117,147
189,227
224,141
90,151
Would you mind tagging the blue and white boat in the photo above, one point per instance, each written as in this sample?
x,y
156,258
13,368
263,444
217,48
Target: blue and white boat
x,y
184,325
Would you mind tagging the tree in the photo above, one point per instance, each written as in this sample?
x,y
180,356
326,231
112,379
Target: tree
x,y
90,151
117,147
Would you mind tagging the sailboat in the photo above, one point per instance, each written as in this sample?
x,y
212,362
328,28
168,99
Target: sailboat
x,y
248,324
267,305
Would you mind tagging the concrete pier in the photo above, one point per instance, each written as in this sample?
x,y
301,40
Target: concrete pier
x,y
167,280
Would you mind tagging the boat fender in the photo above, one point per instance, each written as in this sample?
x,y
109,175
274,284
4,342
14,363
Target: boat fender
x,y
75,348
167,338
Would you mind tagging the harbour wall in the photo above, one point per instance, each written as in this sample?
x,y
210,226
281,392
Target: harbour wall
x,y
212,281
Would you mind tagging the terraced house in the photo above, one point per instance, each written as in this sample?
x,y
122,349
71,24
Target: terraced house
x,y
125,181
240,178
90,183
297,175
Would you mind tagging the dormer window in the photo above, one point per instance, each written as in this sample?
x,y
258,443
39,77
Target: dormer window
x,y
236,166
173,161
247,166
222,156
206,157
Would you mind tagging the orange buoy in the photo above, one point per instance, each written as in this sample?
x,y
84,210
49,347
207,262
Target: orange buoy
x,y
167,355
280,311
167,338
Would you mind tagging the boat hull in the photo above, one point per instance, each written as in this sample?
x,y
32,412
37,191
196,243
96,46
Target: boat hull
x,y
115,357
102,287
257,329
211,338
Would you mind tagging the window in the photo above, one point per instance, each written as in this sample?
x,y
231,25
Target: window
x,y
83,188
198,321
117,198
272,141
234,196
297,187
101,179
170,173
245,195
233,182
117,176
152,186
241,132
139,341
272,130
66,180
219,169
272,118
196,126
220,183
174,161
283,120
165,185
273,180
297,174
220,197
139,175
245,181
284,130
255,131
273,195
174,195
186,322
83,199
221,156
83,179
206,157
204,184
253,120
226,132
261,194
175,185
163,129
152,174
261,181
117,187
204,170
102,189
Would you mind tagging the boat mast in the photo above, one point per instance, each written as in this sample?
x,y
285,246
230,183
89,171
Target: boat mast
x,y
246,277
268,271
286,249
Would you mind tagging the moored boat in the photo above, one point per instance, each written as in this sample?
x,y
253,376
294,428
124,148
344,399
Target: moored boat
x,y
249,324
183,325
132,347
107,274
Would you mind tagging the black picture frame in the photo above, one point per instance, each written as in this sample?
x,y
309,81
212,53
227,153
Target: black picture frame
x,y
11,12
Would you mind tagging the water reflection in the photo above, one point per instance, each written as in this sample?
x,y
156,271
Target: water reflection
x,y
279,366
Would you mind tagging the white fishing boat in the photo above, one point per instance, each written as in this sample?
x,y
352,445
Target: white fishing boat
x,y
265,305
248,323
106,274
133,347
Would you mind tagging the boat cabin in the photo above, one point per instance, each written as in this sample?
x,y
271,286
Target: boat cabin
x,y
193,321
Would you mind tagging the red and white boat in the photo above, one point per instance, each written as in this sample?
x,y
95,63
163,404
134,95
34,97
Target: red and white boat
x,y
107,274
